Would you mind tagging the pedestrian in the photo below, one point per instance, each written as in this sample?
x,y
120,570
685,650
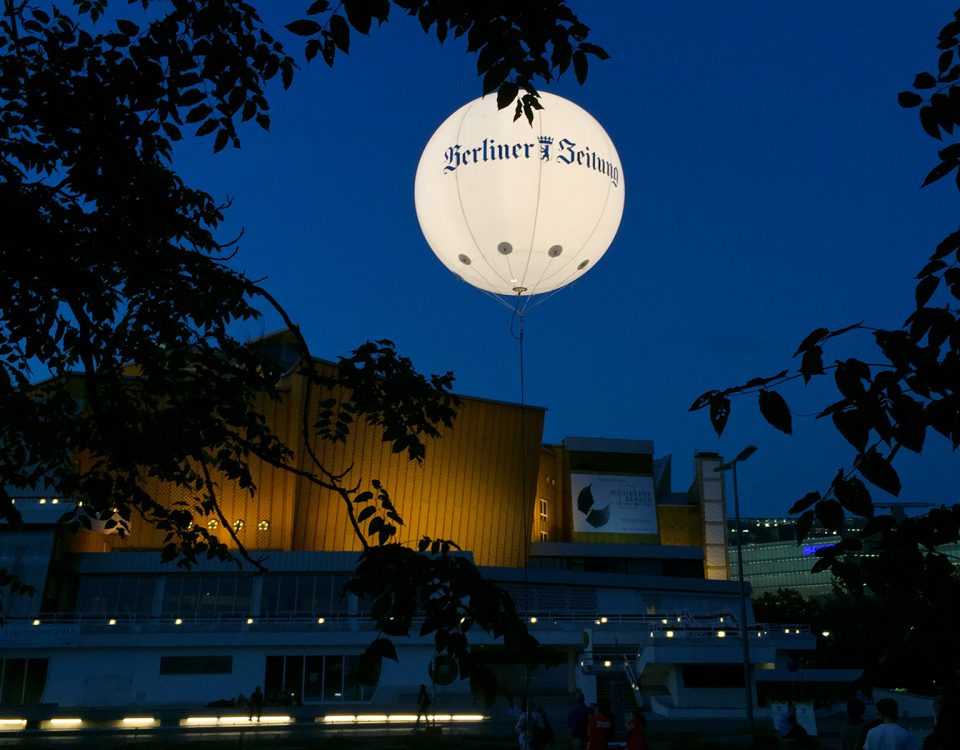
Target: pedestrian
x,y
789,727
637,731
577,719
851,733
256,703
543,730
888,735
599,726
423,705
529,727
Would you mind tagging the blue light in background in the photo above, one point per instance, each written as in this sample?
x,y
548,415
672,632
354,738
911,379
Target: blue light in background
x,y
811,549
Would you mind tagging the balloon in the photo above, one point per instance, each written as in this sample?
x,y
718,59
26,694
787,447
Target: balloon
x,y
516,209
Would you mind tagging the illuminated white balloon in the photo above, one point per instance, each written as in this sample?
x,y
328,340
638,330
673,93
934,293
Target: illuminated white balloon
x,y
515,209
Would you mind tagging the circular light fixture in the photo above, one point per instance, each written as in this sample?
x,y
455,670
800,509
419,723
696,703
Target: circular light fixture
x,y
516,209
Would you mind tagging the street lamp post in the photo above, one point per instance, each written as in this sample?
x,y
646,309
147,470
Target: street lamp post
x,y
744,633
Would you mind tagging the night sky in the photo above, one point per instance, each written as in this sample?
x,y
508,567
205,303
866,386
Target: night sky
x,y
772,186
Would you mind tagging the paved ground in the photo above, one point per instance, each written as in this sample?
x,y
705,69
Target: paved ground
x,y
497,734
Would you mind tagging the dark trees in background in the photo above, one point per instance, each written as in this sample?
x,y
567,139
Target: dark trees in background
x,y
108,258
906,394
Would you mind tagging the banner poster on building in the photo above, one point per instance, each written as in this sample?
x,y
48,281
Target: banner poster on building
x,y
613,504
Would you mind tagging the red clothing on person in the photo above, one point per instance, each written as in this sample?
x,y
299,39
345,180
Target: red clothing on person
x,y
636,736
598,736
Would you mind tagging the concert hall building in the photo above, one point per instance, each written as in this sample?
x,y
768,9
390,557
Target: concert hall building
x,y
623,576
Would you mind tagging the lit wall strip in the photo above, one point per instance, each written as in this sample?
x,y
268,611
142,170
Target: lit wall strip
x,y
11,725
199,721
234,721
396,718
62,723
138,721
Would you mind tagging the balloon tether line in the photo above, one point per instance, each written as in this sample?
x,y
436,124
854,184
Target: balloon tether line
x,y
519,310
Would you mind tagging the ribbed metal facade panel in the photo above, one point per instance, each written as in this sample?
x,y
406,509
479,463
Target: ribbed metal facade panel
x,y
476,485
473,487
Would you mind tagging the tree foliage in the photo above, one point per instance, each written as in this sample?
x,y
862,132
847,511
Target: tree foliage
x,y
118,370
906,394
785,606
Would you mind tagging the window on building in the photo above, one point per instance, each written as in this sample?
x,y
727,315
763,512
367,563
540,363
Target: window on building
x,y
22,681
196,664
110,595
314,678
544,509
544,536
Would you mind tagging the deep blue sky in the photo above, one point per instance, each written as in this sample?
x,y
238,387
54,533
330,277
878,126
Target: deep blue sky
x,y
772,187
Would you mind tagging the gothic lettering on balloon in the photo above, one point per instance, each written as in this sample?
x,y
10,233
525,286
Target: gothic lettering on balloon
x,y
568,153
545,143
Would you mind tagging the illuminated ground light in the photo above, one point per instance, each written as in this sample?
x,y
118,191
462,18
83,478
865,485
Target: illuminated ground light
x,y
396,718
36,622
721,634
233,721
178,621
64,723
607,664
669,634
138,721
533,620
249,621
787,631
321,620
111,621
11,725
199,721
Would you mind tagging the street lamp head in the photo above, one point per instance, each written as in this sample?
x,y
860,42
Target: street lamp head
x,y
741,456
746,453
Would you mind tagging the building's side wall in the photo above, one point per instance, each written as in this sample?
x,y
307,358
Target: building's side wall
x,y
264,520
709,484
680,525
476,485
551,518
